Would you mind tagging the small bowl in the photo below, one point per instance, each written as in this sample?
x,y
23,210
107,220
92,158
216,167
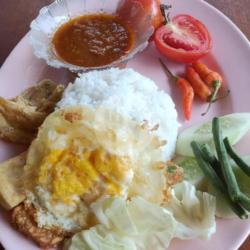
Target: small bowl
x,y
51,17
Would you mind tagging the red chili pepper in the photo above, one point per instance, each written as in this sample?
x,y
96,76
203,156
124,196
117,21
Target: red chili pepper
x,y
207,75
201,69
213,79
199,86
186,89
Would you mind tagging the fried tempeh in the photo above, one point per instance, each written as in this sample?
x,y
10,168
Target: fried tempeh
x,y
11,134
43,96
11,183
21,116
24,218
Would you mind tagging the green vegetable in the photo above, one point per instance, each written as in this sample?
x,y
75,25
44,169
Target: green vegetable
x,y
237,159
208,171
223,210
242,179
212,160
234,126
217,182
245,201
171,169
232,185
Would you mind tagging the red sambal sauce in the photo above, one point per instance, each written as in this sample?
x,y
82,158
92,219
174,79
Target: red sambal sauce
x,y
93,40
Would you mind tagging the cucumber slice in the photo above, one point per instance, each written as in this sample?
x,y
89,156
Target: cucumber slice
x,y
222,208
234,126
192,172
242,179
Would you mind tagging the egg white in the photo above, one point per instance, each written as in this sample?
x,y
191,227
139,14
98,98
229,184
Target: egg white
x,y
89,129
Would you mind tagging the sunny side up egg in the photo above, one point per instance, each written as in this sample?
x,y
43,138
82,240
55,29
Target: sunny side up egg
x,y
82,154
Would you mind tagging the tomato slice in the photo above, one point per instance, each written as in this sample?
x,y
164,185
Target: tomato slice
x,y
184,39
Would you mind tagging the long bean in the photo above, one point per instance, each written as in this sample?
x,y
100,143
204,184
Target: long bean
x,y
217,182
211,158
232,185
206,167
215,164
244,201
237,159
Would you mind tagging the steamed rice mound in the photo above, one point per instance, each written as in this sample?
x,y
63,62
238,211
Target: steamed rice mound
x,y
129,94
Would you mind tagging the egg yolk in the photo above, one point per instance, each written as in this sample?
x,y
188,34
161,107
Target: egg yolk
x,y
68,174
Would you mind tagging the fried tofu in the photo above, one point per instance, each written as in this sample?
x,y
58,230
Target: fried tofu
x,y
24,219
11,183
21,116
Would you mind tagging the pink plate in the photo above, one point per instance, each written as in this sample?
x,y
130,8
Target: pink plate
x,y
232,53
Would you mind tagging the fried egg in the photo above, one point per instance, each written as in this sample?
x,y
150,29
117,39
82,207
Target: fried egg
x,y
82,154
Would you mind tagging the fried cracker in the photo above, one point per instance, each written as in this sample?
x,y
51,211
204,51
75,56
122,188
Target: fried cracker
x,y
11,183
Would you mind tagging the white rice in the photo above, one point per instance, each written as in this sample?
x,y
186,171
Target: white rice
x,y
130,94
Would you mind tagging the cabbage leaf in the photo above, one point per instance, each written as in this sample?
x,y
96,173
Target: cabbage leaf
x,y
194,212
126,225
